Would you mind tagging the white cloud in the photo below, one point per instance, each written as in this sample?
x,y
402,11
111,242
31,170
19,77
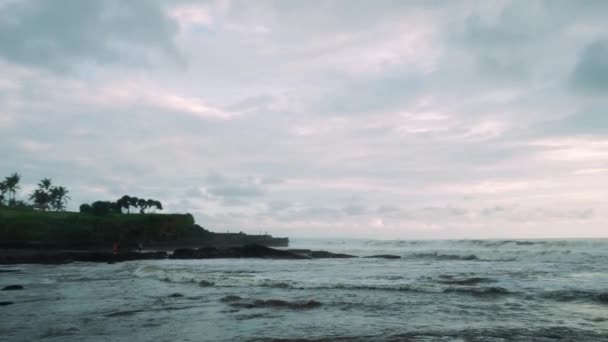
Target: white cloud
x,y
392,120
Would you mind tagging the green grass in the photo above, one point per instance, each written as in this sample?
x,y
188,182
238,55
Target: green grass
x,y
70,229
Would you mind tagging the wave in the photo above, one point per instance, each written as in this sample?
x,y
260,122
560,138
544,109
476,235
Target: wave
x,y
550,333
479,291
227,281
569,251
565,243
451,280
244,303
577,295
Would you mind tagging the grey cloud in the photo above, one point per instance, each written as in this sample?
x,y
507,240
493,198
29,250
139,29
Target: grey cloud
x,y
59,34
243,190
232,189
321,137
505,32
373,93
279,205
354,210
589,121
535,214
591,71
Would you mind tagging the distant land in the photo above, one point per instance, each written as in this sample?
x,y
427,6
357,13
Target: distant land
x,y
42,222
26,228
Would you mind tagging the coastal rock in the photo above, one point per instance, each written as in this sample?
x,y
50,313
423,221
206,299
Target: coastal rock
x,y
248,251
185,253
384,256
12,287
329,255
259,251
67,257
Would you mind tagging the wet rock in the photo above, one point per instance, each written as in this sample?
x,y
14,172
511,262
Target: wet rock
x,y
301,252
248,251
329,255
259,251
185,253
88,256
384,256
6,303
208,252
10,271
12,287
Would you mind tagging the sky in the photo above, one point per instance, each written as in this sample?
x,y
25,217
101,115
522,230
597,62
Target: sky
x,y
355,119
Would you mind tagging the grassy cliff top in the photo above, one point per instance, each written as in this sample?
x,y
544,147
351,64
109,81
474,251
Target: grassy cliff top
x,y
78,229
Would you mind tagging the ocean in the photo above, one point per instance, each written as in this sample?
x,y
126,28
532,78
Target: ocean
x,y
464,290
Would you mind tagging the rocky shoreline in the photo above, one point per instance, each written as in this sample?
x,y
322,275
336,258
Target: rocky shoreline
x,y
247,251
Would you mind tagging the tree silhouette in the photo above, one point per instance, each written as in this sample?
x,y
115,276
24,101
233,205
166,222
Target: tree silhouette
x,y
58,197
45,184
47,196
41,199
86,209
12,185
154,204
3,190
133,202
125,203
142,204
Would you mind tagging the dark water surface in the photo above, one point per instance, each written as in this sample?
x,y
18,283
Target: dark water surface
x,y
539,290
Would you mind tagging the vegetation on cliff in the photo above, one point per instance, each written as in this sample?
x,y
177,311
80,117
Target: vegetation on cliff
x,y
45,223
26,227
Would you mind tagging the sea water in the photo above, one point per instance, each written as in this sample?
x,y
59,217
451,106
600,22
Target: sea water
x,y
466,290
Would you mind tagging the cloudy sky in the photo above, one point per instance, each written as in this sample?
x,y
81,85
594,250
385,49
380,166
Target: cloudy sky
x,y
381,119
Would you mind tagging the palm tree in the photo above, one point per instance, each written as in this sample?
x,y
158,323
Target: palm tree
x,y
45,184
12,185
3,190
41,199
59,197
